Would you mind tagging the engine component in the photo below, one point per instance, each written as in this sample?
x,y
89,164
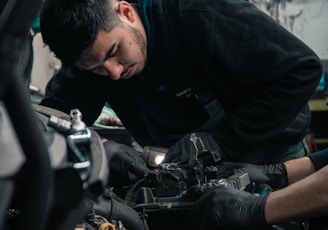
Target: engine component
x,y
98,222
160,197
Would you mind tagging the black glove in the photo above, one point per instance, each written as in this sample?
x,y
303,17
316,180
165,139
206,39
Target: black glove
x,y
192,146
227,207
112,209
274,175
320,158
125,163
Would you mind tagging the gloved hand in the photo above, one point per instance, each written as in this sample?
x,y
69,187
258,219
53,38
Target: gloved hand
x,y
274,175
227,207
192,146
112,209
126,165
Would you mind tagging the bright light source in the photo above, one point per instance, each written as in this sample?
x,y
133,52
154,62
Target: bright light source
x,y
159,158
154,155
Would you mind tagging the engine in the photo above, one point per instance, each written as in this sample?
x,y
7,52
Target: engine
x,y
161,196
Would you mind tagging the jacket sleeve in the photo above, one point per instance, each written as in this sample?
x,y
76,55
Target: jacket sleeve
x,y
71,88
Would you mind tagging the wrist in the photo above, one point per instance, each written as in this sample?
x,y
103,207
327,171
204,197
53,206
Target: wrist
x,y
298,169
275,208
271,214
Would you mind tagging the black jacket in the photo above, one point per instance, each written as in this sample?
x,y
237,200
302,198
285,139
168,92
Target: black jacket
x,y
261,74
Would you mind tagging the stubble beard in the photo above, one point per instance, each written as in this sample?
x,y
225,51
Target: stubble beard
x,y
141,43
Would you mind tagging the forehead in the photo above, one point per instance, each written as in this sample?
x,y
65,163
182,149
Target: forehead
x,y
100,47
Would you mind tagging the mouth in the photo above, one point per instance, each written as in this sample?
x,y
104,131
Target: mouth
x,y
128,73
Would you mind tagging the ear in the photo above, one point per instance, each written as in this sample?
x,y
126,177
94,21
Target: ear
x,y
125,11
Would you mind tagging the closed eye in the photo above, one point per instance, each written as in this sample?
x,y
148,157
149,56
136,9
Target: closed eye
x,y
110,53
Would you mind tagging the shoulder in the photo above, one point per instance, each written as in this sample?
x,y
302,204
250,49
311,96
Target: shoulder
x,y
204,5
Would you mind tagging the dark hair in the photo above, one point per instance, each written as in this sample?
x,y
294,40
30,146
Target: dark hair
x,y
68,27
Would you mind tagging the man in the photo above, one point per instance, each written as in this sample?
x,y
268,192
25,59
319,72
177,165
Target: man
x,y
216,75
305,196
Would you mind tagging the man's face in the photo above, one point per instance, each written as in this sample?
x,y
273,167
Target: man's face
x,y
119,54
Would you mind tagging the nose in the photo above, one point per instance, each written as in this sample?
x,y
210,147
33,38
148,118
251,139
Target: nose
x,y
113,68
